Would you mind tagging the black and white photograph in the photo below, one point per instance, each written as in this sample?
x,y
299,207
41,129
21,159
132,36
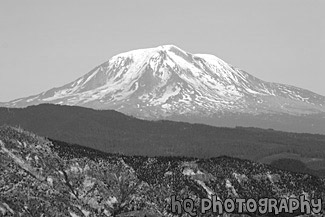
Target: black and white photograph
x,y
148,108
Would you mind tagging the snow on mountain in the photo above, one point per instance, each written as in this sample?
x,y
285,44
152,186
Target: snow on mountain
x,y
166,80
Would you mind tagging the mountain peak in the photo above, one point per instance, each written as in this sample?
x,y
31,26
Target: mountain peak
x,y
149,52
170,47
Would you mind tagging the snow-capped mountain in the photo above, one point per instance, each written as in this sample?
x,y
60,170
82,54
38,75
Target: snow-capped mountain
x,y
165,81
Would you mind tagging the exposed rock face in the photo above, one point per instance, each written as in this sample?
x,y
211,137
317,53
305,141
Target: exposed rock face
x,y
41,178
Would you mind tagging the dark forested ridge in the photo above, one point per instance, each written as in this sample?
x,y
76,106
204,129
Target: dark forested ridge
x,y
40,177
114,132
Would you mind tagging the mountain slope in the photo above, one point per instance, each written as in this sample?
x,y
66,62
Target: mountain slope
x,y
41,178
114,132
166,81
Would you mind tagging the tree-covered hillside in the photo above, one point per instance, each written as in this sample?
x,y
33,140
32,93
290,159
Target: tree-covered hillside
x,y
114,132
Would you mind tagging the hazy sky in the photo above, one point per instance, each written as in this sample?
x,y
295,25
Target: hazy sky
x,y
45,44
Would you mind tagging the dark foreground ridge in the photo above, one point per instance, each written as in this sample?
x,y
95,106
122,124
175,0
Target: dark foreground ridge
x,y
114,132
44,178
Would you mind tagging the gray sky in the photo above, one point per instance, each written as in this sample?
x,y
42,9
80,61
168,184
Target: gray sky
x,y
45,44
